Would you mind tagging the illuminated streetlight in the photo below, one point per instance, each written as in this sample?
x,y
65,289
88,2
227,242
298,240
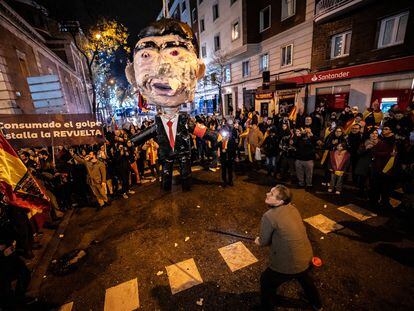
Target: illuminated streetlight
x,y
111,81
98,36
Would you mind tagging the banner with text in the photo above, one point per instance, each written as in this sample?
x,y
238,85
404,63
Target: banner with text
x,y
33,130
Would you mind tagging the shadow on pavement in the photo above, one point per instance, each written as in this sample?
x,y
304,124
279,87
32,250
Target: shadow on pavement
x,y
404,256
214,299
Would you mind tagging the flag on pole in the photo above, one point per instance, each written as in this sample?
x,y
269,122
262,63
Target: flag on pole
x,y
142,104
17,184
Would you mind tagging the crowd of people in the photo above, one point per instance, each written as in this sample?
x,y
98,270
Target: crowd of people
x,y
371,149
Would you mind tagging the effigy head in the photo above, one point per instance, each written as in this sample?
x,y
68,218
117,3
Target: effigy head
x,y
166,65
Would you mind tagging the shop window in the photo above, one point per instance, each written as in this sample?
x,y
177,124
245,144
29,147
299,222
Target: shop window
x,y
235,30
215,11
265,18
24,68
392,30
228,100
204,51
216,42
340,44
286,55
264,62
202,25
227,73
288,9
246,68
335,98
394,92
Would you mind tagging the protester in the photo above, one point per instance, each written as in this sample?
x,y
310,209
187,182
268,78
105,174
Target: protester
x,y
291,253
227,149
304,155
339,162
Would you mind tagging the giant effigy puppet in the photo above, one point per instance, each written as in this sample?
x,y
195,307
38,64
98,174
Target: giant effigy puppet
x,y
165,70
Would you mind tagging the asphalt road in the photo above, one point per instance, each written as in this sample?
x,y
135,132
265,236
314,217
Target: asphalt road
x,y
368,265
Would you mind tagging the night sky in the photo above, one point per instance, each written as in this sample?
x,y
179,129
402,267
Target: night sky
x,y
134,14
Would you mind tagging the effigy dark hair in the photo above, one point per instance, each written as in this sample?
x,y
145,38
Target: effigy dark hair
x,y
169,26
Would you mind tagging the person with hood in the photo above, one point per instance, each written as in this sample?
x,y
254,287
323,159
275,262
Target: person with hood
x,y
96,175
354,141
336,137
286,152
385,152
363,166
271,149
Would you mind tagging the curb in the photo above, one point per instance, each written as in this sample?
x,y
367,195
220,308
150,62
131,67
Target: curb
x,y
40,270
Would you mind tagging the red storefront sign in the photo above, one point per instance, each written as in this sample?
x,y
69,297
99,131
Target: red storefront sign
x,y
370,69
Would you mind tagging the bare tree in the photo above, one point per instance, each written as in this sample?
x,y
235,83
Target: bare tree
x,y
215,75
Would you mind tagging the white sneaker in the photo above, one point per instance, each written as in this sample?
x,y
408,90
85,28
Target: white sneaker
x,y
323,184
337,192
125,196
131,191
329,190
212,169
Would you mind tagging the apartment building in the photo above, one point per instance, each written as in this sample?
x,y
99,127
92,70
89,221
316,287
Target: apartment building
x,y
33,51
362,51
256,39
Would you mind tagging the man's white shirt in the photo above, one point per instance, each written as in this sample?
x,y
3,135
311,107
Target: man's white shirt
x,y
174,120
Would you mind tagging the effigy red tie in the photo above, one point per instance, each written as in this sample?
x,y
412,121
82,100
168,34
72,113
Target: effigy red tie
x,y
171,134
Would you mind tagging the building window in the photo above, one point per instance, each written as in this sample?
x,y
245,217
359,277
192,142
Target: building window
x,y
194,15
235,30
204,51
202,25
183,6
232,2
392,30
286,55
288,8
24,68
264,62
265,18
215,11
246,68
216,43
227,73
340,44
200,1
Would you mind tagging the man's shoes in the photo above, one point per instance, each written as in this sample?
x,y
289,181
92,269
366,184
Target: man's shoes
x,y
309,188
224,184
338,192
125,196
131,192
330,190
231,184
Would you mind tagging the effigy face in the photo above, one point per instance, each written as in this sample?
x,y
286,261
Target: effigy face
x,y
166,67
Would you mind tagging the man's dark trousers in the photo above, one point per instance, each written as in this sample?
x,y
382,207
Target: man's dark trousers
x,y
271,280
227,171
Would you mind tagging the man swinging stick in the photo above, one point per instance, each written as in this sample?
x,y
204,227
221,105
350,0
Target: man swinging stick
x,y
165,70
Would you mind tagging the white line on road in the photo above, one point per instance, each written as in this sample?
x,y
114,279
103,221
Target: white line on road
x,y
122,297
237,256
183,275
323,223
357,212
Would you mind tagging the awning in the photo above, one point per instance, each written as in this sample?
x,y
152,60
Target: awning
x,y
277,85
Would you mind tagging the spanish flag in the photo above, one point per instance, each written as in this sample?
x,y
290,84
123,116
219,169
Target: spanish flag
x,y
293,114
17,185
142,103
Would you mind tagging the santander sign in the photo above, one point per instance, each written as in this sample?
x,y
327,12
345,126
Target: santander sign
x,y
330,76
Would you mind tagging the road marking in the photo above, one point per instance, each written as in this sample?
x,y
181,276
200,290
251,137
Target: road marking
x,y
323,223
183,275
67,307
237,256
197,168
394,202
122,297
357,212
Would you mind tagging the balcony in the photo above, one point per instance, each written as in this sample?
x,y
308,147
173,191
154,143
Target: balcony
x,y
327,9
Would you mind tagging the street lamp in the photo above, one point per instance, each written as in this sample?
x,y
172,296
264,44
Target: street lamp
x,y
98,36
112,81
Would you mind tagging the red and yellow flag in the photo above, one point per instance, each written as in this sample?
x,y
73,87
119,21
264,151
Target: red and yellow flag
x,y
17,185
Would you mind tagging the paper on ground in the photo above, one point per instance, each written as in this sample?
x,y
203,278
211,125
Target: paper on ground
x,y
357,212
123,297
66,307
237,256
323,223
183,275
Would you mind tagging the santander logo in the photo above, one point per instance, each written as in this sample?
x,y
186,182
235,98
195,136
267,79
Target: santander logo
x,y
330,76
